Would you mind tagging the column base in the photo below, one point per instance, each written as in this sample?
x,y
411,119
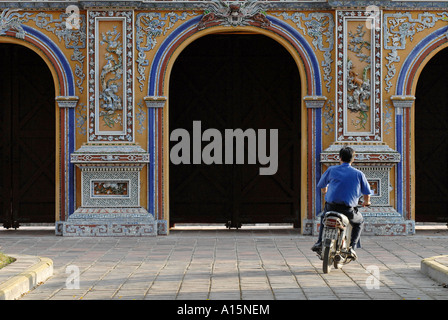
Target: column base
x,y
386,221
114,222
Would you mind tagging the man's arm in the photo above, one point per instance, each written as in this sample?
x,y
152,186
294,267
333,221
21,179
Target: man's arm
x,y
365,189
366,202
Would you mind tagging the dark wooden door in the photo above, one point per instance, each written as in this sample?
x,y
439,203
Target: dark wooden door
x,y
431,141
232,81
27,146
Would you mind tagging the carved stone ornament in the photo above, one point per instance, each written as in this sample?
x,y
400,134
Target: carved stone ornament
x,y
67,101
314,102
110,193
111,99
10,22
401,102
155,102
124,155
367,154
245,13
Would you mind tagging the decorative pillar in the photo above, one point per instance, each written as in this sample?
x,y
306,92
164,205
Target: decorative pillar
x,y
156,105
403,106
110,162
314,105
66,200
359,122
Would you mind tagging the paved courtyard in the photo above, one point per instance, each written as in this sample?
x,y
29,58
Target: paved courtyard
x,y
245,264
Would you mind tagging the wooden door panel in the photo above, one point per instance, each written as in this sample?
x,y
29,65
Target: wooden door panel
x,y
29,92
230,82
5,131
431,141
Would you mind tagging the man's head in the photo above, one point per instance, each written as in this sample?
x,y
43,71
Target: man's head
x,y
347,154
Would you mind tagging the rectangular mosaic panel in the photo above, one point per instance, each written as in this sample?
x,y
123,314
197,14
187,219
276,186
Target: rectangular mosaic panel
x,y
104,188
358,95
110,44
108,189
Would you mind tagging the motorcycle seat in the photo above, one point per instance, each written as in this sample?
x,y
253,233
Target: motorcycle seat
x,y
341,216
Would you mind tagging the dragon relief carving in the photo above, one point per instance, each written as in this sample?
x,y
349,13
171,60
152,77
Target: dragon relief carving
x,y
111,101
8,21
236,14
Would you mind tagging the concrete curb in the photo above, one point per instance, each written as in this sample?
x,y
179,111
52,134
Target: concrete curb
x,y
28,272
436,268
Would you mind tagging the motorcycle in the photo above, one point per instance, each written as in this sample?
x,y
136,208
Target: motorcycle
x,y
335,241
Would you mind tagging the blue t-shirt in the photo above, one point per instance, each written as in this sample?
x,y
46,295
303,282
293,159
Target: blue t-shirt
x,y
345,184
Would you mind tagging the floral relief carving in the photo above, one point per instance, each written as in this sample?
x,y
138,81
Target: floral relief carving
x,y
149,26
398,28
359,77
319,26
114,67
328,115
358,86
110,76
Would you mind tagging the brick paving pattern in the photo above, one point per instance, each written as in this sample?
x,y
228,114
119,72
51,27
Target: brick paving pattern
x,y
228,265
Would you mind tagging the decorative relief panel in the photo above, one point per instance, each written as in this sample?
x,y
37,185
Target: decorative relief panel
x,y
244,13
319,26
149,26
358,97
111,58
399,28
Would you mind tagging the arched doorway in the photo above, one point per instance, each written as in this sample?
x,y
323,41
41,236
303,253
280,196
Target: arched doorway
x,y
236,81
27,145
431,141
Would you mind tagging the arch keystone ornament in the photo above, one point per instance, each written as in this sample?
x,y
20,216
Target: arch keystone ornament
x,y
234,14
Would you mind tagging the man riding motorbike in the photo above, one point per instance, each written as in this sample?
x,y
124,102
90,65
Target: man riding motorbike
x,y
343,185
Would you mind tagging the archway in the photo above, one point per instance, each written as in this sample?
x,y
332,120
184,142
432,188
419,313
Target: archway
x,y
27,125
405,117
236,81
64,84
431,141
157,100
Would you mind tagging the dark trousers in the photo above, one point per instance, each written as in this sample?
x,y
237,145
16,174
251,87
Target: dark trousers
x,y
356,220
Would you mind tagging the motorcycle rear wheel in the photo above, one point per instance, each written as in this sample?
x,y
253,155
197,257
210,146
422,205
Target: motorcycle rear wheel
x,y
328,258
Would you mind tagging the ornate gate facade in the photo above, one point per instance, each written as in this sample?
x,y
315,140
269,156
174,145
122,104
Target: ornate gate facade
x,y
111,62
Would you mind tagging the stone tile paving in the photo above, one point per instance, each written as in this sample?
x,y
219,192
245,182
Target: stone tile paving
x,y
228,265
